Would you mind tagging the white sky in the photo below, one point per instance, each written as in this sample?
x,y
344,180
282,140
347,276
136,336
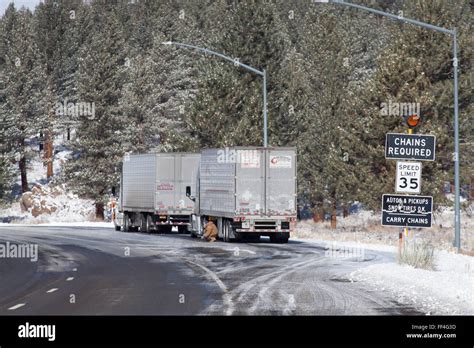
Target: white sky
x,y
31,4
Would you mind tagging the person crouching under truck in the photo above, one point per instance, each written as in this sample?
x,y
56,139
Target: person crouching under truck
x,y
210,232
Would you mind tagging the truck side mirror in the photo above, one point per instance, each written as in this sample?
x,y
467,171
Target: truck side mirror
x,y
188,194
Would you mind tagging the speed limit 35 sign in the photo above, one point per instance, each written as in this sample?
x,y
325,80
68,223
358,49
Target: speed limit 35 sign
x,y
408,177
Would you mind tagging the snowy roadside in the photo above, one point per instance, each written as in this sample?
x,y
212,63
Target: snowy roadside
x,y
47,203
365,227
447,290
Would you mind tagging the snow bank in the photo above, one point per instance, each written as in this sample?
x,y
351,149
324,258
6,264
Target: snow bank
x,y
47,205
449,289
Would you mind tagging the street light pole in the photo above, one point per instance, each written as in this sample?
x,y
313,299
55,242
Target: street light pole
x,y
265,125
234,61
452,32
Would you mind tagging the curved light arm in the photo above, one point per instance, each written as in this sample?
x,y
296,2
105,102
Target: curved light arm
x,y
205,50
234,61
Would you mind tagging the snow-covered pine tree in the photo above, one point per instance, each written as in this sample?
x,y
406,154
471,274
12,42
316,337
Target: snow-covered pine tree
x,y
160,81
5,124
6,147
331,161
228,108
21,86
98,148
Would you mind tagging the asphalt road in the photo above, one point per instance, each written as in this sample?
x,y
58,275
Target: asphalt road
x,y
98,271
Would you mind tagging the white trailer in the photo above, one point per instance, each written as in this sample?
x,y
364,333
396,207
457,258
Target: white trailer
x,y
154,191
249,191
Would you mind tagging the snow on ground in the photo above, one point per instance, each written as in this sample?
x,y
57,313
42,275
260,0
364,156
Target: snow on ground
x,y
60,204
447,290
365,227
349,244
68,208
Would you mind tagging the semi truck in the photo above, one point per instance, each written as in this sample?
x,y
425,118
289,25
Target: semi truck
x,y
154,191
248,191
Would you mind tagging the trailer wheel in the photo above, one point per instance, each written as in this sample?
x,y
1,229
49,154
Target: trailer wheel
x,y
126,222
227,226
144,223
149,221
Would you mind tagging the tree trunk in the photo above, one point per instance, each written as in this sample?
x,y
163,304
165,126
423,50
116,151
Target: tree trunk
x,y
334,217
345,211
24,178
49,154
68,134
99,211
318,214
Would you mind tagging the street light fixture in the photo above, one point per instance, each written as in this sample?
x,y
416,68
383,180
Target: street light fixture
x,y
453,34
234,61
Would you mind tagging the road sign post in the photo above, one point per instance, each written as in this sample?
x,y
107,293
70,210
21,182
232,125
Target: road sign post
x,y
408,211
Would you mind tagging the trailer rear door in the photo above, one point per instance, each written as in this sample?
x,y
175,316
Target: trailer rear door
x,y
249,180
165,183
280,182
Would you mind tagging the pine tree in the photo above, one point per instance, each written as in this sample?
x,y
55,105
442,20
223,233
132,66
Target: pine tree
x,y
97,151
21,86
330,157
228,108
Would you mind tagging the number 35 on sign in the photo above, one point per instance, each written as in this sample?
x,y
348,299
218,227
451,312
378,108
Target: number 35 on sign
x,y
408,177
